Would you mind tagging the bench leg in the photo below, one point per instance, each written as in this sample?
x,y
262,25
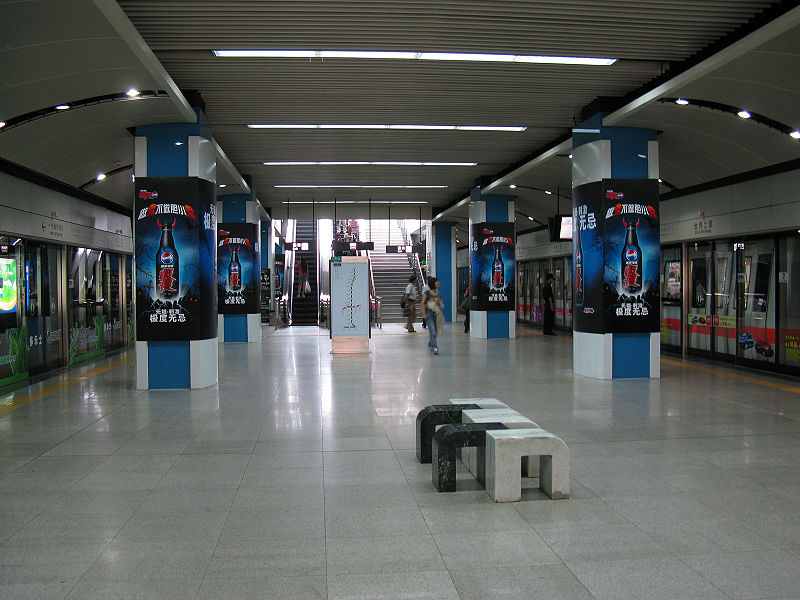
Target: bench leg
x,y
554,475
444,469
503,475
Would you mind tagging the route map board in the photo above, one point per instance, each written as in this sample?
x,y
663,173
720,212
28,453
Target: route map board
x,y
350,298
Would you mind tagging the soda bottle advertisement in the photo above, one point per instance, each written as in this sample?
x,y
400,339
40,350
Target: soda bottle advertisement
x,y
587,264
175,232
492,266
238,268
632,265
616,251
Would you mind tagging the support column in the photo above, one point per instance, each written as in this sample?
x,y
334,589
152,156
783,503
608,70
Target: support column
x,y
616,251
174,228
239,268
492,265
443,267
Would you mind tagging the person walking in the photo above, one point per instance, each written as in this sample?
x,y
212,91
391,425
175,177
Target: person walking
x,y
465,306
549,305
432,305
410,303
302,277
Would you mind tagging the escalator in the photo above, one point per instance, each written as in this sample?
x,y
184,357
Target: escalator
x,y
305,310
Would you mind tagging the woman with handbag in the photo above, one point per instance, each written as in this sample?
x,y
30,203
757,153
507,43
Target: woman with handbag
x,y
432,305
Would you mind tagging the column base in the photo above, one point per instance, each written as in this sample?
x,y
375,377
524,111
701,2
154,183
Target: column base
x,y
616,355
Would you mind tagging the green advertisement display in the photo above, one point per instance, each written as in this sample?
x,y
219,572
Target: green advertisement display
x,y
13,356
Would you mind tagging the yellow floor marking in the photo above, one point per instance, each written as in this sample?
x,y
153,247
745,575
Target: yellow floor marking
x,y
61,385
773,384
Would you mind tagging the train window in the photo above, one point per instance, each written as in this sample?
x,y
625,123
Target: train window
x,y
763,276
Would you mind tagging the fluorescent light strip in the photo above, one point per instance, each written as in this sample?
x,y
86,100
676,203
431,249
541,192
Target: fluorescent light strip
x,y
441,56
364,187
376,162
378,126
354,202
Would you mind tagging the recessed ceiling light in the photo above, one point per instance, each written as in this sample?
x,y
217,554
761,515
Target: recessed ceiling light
x,y
378,126
101,176
222,185
570,155
513,186
795,135
62,107
366,187
744,114
132,93
548,192
446,56
682,101
179,143
660,180
530,218
393,163
2,124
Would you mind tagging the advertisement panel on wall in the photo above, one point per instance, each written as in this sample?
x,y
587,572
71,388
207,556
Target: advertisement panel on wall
x,y
175,233
616,251
492,262
238,272
9,292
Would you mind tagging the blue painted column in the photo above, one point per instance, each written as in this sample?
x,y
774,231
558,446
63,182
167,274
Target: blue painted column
x,y
605,157
176,150
242,208
443,267
491,208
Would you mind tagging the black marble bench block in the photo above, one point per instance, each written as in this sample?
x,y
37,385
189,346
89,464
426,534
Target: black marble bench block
x,y
446,441
432,416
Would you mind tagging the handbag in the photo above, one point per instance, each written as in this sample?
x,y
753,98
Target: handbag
x,y
308,288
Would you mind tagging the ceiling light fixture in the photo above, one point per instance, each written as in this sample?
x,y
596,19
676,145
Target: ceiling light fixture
x,y
179,143
365,187
393,163
2,124
682,101
513,186
354,202
795,134
744,114
548,192
132,93
100,176
378,126
442,56
62,107
222,185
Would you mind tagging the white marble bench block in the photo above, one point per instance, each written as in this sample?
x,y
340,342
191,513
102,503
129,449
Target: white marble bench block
x,y
474,458
504,450
482,402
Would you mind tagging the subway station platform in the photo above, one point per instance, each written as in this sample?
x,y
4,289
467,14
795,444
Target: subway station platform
x,y
296,477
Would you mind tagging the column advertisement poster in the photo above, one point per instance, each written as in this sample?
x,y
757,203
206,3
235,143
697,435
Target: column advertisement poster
x,y
175,234
238,272
492,267
616,251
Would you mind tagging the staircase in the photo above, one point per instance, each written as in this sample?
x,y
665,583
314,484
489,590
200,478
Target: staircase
x,y
390,271
305,311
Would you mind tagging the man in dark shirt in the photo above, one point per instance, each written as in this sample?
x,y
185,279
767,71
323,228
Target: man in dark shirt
x,y
549,305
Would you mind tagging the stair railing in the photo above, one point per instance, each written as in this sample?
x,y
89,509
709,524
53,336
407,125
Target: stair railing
x,y
376,318
288,269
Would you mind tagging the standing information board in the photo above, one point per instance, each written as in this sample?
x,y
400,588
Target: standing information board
x,y
350,304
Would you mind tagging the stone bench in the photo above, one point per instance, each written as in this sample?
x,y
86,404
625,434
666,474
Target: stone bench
x,y
504,451
446,441
432,416
474,458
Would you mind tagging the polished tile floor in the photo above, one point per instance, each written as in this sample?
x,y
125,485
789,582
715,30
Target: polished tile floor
x,y
296,477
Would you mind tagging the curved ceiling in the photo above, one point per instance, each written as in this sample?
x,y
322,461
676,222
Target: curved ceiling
x,y
86,48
